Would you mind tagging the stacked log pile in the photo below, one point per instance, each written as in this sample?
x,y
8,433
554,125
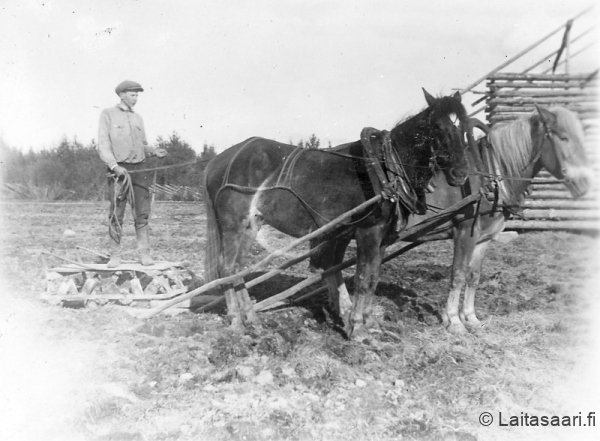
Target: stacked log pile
x,y
550,206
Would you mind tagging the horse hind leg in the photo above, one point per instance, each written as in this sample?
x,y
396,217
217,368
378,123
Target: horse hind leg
x,y
467,314
236,246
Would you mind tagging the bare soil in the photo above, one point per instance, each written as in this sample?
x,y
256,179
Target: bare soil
x,y
101,374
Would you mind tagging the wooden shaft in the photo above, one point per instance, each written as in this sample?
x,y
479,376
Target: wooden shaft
x,y
411,233
224,280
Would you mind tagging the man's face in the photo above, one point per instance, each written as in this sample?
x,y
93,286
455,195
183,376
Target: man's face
x,y
129,97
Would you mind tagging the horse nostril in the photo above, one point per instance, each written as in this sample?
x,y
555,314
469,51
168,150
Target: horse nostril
x,y
458,174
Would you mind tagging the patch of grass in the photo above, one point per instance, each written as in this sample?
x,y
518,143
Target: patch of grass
x,y
189,377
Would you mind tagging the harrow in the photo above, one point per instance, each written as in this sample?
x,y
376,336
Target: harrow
x,y
78,284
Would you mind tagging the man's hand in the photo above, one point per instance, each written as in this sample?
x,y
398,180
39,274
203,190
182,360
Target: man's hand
x,y
119,171
159,152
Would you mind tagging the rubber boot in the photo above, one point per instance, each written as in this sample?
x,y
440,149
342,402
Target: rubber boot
x,y
115,255
143,241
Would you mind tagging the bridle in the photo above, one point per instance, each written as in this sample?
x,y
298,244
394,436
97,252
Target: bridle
x,y
434,165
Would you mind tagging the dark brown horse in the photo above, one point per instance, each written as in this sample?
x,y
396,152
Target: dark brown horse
x,y
299,190
508,158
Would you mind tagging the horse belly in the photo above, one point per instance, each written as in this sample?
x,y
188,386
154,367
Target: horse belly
x,y
283,210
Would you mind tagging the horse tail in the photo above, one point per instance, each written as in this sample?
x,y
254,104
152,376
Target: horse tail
x,y
212,260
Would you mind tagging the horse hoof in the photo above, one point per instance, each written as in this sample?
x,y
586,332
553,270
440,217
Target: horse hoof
x,y
359,335
474,323
237,325
457,329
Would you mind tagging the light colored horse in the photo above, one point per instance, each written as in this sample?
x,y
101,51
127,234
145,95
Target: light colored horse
x,y
512,154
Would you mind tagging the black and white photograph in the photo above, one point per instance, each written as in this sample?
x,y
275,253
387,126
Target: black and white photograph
x,y
299,220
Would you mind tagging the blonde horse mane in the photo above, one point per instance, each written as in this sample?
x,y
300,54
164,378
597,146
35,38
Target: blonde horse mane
x,y
513,144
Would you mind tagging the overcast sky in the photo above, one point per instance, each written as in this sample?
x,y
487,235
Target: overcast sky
x,y
222,71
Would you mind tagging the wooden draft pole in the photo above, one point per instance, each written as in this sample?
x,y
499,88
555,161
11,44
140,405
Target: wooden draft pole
x,y
411,233
218,282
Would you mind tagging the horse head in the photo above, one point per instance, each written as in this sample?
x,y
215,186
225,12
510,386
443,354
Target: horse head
x,y
449,123
562,150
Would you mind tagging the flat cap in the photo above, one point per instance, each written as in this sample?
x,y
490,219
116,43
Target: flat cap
x,y
128,85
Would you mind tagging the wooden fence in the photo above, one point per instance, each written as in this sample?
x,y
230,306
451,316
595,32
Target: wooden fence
x,y
175,192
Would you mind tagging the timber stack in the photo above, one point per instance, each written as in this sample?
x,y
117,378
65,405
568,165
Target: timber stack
x,y
550,206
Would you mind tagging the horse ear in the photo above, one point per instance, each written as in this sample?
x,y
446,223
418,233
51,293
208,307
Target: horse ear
x,y
547,117
430,99
458,96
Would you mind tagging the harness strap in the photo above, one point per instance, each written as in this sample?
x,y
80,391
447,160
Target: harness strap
x,y
241,149
287,168
393,183
374,169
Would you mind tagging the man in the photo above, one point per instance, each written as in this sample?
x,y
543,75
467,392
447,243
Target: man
x,y
123,147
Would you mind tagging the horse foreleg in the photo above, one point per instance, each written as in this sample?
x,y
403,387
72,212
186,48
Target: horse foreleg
x,y
467,314
339,298
368,263
464,244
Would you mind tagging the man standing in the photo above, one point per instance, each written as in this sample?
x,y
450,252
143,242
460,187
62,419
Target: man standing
x,y
123,147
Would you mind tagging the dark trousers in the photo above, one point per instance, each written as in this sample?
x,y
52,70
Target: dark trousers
x,y
141,182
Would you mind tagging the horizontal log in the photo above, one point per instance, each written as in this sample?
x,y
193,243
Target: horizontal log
x,y
559,186
542,85
508,116
542,100
562,204
557,194
542,181
517,107
546,93
580,225
552,213
589,123
540,77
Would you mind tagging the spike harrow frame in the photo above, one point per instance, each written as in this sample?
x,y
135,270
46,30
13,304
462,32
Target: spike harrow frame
x,y
78,284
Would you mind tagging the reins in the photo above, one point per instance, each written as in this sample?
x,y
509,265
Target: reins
x,y
164,167
122,190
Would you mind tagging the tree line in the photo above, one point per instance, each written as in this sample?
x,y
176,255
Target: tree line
x,y
74,171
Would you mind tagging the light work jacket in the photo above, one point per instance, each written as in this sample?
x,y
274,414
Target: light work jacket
x,y
122,137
